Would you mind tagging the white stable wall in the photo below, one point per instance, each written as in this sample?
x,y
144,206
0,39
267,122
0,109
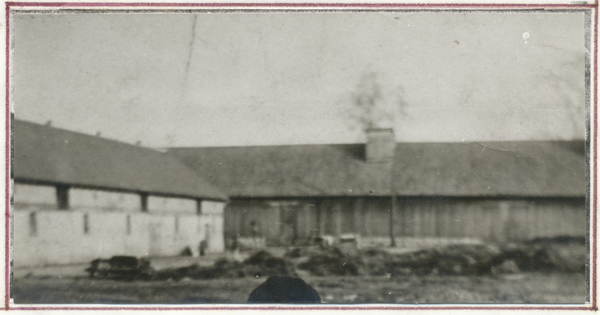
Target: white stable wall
x,y
34,196
162,204
105,200
63,237
103,224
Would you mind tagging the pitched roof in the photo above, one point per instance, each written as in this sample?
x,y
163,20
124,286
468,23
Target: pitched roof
x,y
526,168
49,155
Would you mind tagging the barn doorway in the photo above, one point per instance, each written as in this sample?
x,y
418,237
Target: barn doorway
x,y
288,233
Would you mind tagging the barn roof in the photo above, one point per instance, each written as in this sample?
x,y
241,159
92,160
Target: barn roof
x,y
525,168
48,155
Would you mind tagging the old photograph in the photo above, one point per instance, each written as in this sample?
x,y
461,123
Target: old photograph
x,y
279,155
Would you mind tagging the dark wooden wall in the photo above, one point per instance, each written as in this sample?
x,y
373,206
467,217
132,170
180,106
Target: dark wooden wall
x,y
286,222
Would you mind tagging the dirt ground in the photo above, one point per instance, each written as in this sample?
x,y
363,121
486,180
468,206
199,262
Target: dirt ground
x,y
531,287
541,271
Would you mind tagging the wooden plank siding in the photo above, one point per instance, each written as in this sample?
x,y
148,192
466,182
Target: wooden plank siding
x,y
288,222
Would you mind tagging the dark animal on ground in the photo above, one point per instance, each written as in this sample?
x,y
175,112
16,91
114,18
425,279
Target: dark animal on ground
x,y
187,251
119,267
286,290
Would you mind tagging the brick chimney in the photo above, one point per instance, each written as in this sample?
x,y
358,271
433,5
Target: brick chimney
x,y
380,146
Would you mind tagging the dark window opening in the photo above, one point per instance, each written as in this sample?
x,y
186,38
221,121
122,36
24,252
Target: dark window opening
x,y
32,224
144,202
62,197
86,224
199,206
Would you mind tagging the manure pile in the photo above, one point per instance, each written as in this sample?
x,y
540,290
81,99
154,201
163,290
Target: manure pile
x,y
560,254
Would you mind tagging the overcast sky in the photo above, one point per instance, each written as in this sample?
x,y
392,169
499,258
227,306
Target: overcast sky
x,y
255,79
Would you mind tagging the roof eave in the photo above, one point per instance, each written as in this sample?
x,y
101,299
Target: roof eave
x,y
31,181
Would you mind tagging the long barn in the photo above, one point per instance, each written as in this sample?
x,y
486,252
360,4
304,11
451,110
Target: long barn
x,y
493,191
79,197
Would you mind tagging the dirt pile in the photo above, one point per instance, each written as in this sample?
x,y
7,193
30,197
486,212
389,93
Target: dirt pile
x,y
454,259
261,264
331,261
448,260
559,254
375,262
264,264
512,260
562,254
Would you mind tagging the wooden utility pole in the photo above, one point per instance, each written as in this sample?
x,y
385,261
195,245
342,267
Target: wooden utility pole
x,y
394,204
392,210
